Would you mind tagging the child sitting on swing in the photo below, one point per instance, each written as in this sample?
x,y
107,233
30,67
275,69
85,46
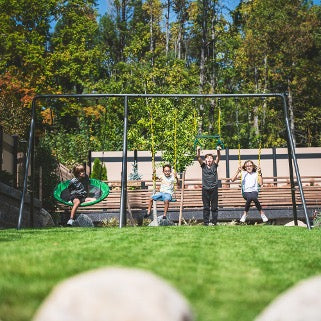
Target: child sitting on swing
x,y
166,191
251,176
78,188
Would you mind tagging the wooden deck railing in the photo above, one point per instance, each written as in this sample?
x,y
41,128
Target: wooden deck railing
x,y
276,192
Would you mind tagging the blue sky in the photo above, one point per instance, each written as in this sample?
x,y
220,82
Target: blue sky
x,y
102,4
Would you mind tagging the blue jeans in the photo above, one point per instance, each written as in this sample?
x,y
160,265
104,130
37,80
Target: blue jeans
x,y
159,196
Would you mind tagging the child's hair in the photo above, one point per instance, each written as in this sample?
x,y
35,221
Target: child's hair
x,y
77,169
167,165
249,161
207,155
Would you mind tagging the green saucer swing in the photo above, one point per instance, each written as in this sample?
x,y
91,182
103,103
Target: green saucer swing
x,y
97,189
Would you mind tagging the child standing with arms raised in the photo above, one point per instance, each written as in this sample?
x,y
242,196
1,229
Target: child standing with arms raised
x,y
166,191
209,185
78,188
251,179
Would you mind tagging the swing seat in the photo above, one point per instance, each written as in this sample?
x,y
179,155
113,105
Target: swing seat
x,y
97,189
215,137
172,200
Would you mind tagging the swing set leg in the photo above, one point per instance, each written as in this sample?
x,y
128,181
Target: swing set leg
x,y
154,221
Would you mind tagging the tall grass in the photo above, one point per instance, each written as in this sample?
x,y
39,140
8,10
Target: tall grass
x,y
225,272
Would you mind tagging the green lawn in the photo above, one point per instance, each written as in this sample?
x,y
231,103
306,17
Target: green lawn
x,y
226,272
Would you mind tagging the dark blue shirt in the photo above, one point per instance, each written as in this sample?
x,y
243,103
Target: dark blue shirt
x,y
209,176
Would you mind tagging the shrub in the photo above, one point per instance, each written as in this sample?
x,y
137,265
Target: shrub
x,y
6,177
99,170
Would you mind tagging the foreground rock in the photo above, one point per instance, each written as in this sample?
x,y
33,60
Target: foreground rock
x,y
114,294
300,303
83,221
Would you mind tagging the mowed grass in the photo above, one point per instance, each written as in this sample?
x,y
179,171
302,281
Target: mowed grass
x,y
225,272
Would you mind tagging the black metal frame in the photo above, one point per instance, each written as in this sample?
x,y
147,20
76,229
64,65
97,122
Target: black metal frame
x,y
123,219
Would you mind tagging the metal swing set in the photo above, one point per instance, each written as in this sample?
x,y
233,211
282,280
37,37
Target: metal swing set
x,y
292,158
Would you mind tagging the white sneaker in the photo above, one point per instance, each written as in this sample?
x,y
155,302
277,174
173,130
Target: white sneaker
x,y
264,218
70,222
243,218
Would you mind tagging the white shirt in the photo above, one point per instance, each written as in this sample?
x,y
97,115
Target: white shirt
x,y
167,184
249,182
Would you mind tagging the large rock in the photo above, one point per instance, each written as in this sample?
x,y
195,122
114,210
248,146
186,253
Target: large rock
x,y
83,221
114,294
44,219
300,223
161,222
300,303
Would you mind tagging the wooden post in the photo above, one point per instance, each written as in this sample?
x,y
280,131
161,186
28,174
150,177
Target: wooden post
x,y
182,200
131,219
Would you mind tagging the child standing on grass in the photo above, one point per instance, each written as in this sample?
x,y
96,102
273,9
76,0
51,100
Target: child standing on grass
x,y
166,191
251,176
78,188
209,185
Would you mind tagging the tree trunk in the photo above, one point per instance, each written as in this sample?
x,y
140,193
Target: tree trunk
x,y
179,42
203,56
213,72
167,26
151,43
123,29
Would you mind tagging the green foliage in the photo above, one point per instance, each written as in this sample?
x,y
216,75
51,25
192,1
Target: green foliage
x,y
6,177
317,219
47,162
16,94
99,170
270,46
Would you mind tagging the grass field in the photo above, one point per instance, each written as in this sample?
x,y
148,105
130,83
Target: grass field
x,y
225,272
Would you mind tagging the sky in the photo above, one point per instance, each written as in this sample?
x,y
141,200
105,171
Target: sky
x,y
102,4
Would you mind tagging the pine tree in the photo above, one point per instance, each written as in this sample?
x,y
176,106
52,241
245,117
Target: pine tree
x,y
99,170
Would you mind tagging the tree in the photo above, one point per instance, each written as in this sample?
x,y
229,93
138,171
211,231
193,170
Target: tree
x,y
99,170
75,56
278,39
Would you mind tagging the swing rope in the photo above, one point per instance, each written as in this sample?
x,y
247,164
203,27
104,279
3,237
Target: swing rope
x,y
195,122
175,152
152,149
175,140
259,160
219,119
240,164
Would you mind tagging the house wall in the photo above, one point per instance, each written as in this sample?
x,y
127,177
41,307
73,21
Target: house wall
x,y
309,161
